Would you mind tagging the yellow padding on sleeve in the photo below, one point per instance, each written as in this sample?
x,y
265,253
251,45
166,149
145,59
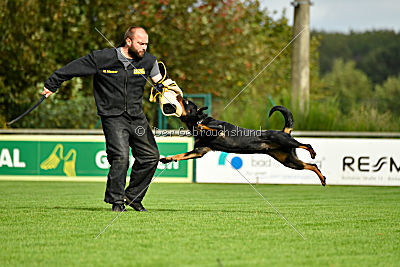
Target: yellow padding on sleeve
x,y
165,72
171,85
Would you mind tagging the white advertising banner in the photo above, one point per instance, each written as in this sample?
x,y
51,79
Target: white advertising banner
x,y
343,161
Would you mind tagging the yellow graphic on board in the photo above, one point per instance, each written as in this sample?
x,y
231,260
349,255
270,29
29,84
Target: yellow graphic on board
x,y
69,163
57,156
53,160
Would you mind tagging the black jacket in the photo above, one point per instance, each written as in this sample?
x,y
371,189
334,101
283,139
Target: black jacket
x,y
116,89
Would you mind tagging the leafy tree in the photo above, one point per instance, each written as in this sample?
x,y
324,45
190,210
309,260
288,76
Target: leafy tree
x,y
208,46
37,38
376,53
351,87
388,95
382,62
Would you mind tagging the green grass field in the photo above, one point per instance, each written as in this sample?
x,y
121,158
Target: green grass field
x,y
55,223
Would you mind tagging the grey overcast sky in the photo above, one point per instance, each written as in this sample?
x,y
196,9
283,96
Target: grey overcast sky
x,y
345,15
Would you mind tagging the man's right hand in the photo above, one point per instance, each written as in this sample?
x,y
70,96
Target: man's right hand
x,y
46,92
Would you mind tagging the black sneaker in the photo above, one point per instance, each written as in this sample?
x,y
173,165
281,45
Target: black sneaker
x,y
118,207
135,205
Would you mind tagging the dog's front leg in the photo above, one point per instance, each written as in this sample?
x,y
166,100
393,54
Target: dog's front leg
x,y
196,153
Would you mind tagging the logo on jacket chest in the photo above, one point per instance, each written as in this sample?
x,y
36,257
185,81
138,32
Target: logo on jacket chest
x,y
110,71
139,71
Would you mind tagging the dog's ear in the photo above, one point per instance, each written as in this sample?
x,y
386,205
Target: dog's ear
x,y
200,110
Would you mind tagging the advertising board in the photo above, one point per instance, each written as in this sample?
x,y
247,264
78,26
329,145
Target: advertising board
x,y
347,161
75,157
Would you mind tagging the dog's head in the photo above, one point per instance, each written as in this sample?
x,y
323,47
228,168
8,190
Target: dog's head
x,y
175,105
190,111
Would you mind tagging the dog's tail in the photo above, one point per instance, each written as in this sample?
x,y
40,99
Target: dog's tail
x,y
287,115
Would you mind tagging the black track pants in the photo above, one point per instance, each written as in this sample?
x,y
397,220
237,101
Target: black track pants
x,y
122,132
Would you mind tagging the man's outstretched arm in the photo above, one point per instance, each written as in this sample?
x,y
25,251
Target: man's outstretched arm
x,y
80,67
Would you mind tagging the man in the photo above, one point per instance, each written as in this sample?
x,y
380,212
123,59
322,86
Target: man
x,y
118,90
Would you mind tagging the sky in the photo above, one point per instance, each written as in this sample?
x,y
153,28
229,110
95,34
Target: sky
x,y
344,15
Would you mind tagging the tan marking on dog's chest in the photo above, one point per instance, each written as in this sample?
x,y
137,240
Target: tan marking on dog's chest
x,y
179,98
269,146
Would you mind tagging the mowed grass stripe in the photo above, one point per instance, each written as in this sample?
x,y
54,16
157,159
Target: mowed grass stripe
x,y
53,223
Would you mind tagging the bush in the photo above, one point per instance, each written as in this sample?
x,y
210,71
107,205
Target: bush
x,y
351,87
388,95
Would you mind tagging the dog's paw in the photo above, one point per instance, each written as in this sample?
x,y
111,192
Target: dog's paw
x,y
311,150
323,181
166,160
313,154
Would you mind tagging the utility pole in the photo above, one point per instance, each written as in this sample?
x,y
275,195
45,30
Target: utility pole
x,y
301,56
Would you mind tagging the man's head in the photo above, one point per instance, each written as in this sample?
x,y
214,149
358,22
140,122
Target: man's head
x,y
136,40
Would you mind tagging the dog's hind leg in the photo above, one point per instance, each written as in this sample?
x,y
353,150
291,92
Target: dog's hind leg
x,y
314,168
309,149
290,160
195,153
284,141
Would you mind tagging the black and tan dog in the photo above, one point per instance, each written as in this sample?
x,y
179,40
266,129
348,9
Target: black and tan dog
x,y
211,134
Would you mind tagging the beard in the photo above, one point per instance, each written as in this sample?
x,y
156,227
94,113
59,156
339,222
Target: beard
x,y
134,53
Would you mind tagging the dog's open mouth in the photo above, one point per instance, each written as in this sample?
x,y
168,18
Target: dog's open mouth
x,y
169,109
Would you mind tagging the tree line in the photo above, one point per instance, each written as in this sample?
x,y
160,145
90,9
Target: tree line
x,y
376,53
359,75
209,46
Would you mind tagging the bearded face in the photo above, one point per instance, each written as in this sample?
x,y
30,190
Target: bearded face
x,y
139,43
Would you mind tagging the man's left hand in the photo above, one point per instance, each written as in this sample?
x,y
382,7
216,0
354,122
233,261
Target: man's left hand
x,y
46,92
